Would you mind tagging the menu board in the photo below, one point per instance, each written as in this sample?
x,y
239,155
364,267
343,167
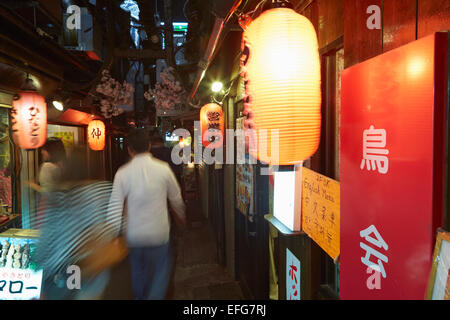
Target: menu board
x,y
321,211
244,180
20,279
66,137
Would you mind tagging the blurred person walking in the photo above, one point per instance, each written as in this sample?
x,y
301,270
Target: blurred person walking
x,y
161,152
75,222
53,155
143,187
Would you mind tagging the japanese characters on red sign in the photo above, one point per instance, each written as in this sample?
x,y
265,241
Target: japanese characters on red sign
x,y
392,157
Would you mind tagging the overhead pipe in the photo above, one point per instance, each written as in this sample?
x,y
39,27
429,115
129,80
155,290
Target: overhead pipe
x,y
203,64
223,11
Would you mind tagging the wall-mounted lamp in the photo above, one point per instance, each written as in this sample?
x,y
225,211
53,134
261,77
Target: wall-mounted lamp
x,y
58,105
216,86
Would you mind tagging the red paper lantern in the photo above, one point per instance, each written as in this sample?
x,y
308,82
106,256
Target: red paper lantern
x,y
29,120
96,135
212,125
280,65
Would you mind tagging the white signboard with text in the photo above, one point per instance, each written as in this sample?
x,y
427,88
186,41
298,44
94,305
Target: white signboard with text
x,y
292,276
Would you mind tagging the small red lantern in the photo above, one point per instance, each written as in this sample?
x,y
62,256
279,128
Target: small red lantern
x,y
29,119
96,135
212,125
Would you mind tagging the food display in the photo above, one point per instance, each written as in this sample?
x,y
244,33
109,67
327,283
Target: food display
x,y
15,256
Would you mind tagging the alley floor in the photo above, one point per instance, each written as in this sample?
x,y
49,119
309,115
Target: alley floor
x,y
197,275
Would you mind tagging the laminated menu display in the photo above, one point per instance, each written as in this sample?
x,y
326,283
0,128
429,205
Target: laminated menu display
x,y
20,279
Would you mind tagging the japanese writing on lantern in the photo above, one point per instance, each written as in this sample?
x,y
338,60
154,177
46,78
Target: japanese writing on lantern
x,y
14,114
213,123
377,241
35,126
247,95
96,133
374,152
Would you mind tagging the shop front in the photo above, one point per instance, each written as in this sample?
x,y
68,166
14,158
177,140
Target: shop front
x,y
20,278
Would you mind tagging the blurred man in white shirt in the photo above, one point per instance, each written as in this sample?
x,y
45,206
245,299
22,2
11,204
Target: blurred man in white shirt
x,y
144,185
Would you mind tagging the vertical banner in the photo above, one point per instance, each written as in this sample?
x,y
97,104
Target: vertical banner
x,y
292,276
392,178
244,180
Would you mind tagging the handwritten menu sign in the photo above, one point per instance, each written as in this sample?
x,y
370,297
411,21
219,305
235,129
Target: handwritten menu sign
x,y
321,210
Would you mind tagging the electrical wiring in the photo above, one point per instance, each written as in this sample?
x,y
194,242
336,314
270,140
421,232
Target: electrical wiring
x,y
225,95
256,8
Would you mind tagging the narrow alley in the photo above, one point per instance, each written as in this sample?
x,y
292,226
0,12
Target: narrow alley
x,y
196,276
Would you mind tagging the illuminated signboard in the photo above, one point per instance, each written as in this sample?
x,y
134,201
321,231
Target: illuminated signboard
x,y
287,198
19,277
170,137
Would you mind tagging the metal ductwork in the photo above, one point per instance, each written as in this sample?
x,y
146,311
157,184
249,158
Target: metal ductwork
x,y
222,10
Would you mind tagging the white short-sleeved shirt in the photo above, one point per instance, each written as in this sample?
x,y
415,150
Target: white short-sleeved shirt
x,y
146,184
49,176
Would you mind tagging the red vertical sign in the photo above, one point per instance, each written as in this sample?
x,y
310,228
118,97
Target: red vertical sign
x,y
392,178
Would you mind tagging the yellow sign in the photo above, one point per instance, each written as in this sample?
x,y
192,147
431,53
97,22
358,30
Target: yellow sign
x,y
321,210
67,138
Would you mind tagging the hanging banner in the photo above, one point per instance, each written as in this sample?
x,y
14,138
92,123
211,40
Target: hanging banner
x,y
321,211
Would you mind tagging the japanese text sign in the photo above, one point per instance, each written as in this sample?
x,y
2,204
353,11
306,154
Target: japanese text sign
x,y
321,210
19,277
292,276
20,284
66,137
392,180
